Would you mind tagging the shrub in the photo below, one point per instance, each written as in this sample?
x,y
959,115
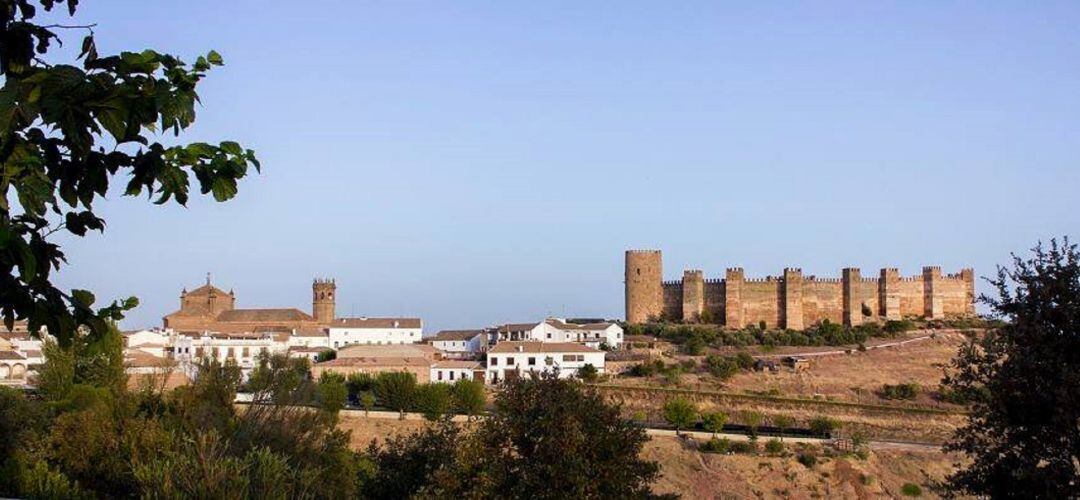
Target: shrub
x,y
911,490
808,460
774,446
715,445
326,355
588,373
900,391
746,447
396,390
432,399
721,367
681,413
713,422
468,396
894,327
823,425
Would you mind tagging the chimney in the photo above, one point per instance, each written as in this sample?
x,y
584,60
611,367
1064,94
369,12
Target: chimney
x,y
521,348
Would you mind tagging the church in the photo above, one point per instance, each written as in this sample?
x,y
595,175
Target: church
x,y
209,308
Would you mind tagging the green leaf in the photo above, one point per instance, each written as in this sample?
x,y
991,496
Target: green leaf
x,y
215,58
224,188
83,297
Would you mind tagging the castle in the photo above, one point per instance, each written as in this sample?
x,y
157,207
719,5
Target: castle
x,y
792,301
209,308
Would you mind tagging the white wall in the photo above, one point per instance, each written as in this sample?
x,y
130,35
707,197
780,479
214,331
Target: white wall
x,y
340,337
566,363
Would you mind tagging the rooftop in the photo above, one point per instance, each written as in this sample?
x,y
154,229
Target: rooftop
x,y
364,322
456,334
546,347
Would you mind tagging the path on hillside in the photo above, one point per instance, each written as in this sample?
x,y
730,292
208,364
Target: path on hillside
x,y
656,432
836,352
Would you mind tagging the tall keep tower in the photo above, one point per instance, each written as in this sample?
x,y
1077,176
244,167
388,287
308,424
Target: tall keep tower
x,y
644,289
322,300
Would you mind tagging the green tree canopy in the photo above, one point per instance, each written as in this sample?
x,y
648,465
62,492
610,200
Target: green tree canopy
x,y
66,129
681,413
1023,435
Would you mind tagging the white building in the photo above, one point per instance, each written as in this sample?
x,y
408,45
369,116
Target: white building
x,y
314,338
510,359
460,343
243,348
374,331
153,341
450,371
559,330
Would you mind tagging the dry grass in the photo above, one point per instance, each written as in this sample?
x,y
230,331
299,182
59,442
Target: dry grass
x,y
697,475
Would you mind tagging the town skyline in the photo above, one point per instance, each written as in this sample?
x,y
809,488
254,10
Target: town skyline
x,y
468,164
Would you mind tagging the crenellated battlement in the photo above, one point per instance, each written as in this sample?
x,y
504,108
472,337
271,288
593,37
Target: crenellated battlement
x,y
792,299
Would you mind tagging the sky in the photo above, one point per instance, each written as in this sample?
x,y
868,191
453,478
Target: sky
x,y
474,163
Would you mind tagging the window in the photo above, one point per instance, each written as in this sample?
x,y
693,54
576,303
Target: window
x,y
493,361
451,375
263,351
532,361
232,353
440,374
510,361
247,353
569,358
549,361
549,335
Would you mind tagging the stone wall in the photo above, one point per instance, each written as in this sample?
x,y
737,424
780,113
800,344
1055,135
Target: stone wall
x,y
793,300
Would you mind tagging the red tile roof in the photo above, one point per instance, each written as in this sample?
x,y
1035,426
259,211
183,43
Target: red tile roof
x,y
507,347
376,323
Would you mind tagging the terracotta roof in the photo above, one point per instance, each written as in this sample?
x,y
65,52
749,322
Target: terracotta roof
x,y
31,353
15,335
152,345
11,355
141,359
562,325
310,332
309,349
206,289
506,347
456,334
376,323
475,365
380,361
387,351
241,315
517,327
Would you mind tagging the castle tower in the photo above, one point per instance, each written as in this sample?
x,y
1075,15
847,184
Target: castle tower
x,y
643,282
792,310
933,303
693,298
322,300
889,294
734,278
852,307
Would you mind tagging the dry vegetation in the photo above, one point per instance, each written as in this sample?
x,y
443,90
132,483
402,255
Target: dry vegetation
x,y
700,475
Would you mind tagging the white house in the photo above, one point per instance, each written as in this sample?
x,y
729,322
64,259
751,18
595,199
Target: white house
x,y
515,358
591,334
243,348
155,342
374,331
460,343
559,330
313,338
450,371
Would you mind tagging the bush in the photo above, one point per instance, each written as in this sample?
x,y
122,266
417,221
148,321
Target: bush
x,y
823,425
894,327
774,447
681,413
715,445
326,355
396,391
588,373
911,490
468,396
900,391
745,447
713,422
808,460
721,367
433,400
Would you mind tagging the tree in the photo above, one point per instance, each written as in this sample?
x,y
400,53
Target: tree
x,y
783,422
432,400
753,420
326,355
65,131
396,391
823,426
367,401
1022,436
680,412
468,397
714,422
588,373
332,392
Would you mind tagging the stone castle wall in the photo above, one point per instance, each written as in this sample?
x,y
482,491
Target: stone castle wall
x,y
792,300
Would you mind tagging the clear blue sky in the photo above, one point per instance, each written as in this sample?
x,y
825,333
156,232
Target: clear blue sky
x,y
474,162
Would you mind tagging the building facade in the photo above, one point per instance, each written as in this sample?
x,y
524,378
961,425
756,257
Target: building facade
x,y
374,331
792,300
511,359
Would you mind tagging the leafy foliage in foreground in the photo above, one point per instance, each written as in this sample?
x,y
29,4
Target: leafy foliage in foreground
x,y
1022,434
65,131
89,436
545,438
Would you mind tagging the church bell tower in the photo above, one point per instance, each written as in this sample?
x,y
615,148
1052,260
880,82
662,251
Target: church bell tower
x,y
322,300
